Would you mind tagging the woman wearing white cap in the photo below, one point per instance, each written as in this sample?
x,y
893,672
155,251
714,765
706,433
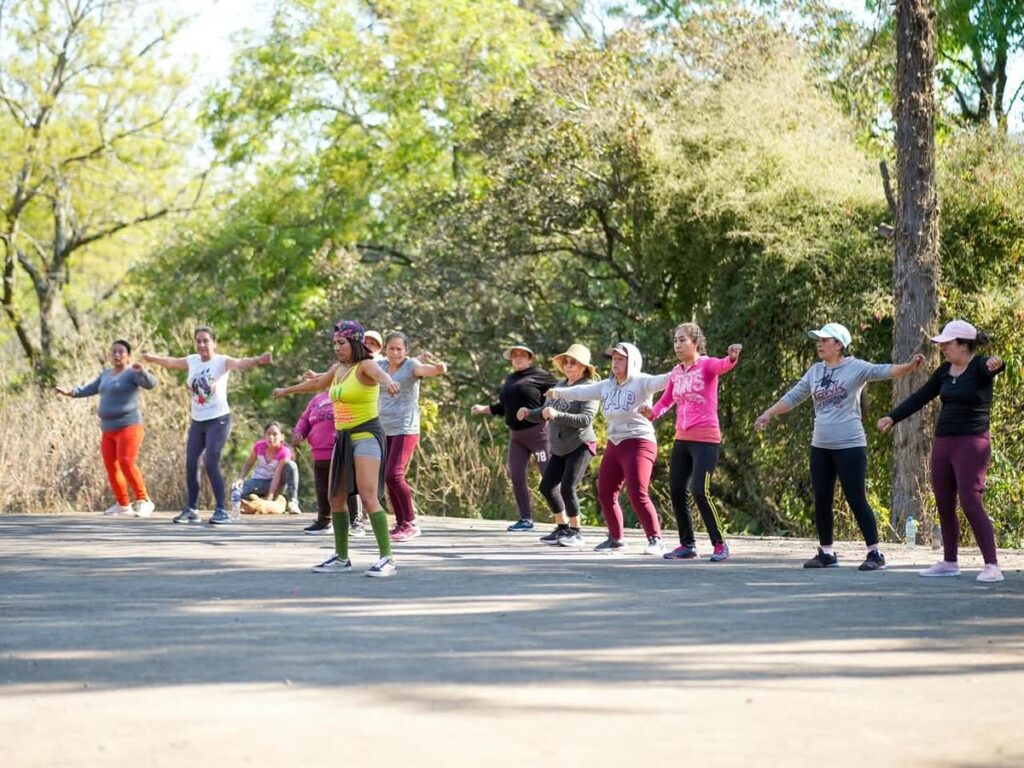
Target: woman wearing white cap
x,y
524,387
632,446
839,445
962,448
573,444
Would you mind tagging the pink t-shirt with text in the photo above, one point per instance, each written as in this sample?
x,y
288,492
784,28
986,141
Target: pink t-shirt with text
x,y
694,392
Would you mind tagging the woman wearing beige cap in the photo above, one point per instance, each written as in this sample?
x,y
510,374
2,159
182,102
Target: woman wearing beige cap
x,y
524,387
573,444
962,448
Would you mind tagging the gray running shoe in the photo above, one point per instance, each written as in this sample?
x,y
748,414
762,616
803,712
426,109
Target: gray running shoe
x,y
187,516
611,546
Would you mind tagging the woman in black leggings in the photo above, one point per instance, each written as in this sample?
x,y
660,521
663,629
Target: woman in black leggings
x,y
839,447
693,390
573,444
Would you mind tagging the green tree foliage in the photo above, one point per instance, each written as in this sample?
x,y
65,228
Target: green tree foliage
x,y
91,137
378,99
976,40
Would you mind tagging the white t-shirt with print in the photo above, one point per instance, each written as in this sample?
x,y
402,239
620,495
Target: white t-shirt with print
x,y
208,387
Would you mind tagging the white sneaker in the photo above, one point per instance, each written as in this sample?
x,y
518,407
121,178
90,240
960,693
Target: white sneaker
x,y
654,546
144,508
333,564
116,509
990,574
382,568
941,568
293,507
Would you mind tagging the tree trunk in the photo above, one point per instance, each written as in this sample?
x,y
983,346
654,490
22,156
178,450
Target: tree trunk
x,y
916,266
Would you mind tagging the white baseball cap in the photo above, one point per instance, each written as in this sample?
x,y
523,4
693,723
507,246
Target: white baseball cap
x,y
832,331
956,329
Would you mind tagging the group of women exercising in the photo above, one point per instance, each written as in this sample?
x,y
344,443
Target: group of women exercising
x,y
362,426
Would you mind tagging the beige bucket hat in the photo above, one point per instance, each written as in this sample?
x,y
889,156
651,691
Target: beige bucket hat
x,y
580,354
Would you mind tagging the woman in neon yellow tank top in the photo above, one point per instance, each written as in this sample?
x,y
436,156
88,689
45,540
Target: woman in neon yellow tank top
x,y
357,464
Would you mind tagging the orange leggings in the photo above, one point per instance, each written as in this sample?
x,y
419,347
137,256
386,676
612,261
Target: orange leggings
x,y
120,448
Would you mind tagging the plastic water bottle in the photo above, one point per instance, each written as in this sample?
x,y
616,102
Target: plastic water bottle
x,y
936,536
236,500
910,538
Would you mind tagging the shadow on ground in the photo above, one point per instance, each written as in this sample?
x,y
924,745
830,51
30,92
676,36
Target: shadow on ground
x,y
123,603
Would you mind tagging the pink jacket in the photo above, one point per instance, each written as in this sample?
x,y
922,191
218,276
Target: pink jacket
x,y
316,424
694,392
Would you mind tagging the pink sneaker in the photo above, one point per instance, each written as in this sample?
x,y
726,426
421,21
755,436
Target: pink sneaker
x,y
404,533
396,529
941,568
414,530
990,574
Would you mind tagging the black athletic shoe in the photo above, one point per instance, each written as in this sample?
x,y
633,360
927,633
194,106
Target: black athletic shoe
x,y
821,560
559,533
875,561
319,528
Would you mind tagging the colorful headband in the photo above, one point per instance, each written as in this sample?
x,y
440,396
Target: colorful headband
x,y
350,329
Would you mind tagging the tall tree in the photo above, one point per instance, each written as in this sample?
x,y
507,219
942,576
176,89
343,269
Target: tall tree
x,y
91,133
916,266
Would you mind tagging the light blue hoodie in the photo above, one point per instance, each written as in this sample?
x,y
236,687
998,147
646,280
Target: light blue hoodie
x,y
621,402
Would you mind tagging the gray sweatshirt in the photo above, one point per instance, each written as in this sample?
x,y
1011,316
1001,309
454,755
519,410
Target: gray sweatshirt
x,y
573,426
836,394
621,401
119,396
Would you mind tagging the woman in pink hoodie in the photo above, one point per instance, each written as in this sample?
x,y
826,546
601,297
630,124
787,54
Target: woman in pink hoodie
x,y
316,425
693,390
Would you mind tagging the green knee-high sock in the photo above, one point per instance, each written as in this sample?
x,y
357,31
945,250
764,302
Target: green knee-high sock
x,y
339,519
379,521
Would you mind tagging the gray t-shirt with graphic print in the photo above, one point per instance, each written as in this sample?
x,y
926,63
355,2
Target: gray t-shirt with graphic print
x,y
835,392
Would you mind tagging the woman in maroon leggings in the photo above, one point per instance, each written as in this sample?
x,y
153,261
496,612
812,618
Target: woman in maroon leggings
x,y
962,448
524,387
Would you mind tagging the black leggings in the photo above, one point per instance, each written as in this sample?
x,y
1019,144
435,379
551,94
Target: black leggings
x,y
850,465
561,477
690,470
206,438
322,480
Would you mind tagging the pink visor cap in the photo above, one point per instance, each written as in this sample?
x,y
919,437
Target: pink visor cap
x,y
956,329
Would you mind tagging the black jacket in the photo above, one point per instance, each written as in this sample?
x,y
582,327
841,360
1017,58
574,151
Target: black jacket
x,y
522,389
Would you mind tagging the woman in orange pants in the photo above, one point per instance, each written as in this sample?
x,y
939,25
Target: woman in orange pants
x,y
121,423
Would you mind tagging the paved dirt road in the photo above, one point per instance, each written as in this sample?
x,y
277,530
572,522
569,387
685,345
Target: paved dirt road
x,y
138,642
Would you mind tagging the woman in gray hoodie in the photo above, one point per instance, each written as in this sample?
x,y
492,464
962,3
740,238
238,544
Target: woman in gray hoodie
x,y
632,447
